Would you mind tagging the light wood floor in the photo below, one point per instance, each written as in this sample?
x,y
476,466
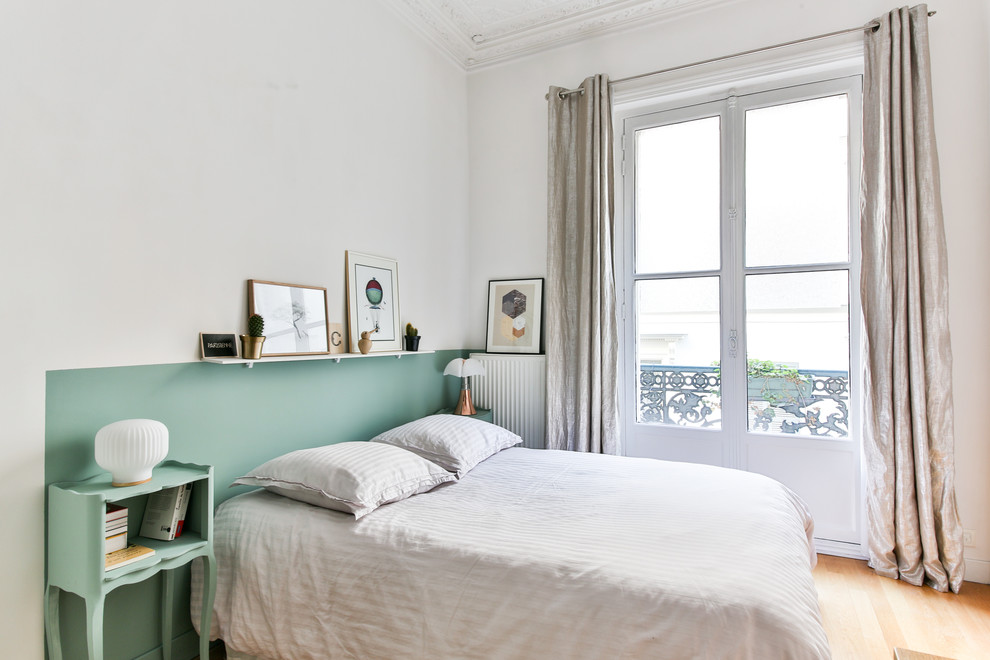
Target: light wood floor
x,y
866,617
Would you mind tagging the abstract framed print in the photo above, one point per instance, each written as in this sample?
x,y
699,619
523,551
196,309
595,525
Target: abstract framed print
x,y
515,316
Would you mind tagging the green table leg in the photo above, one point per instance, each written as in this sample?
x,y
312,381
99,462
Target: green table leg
x,y
52,596
206,616
168,584
94,627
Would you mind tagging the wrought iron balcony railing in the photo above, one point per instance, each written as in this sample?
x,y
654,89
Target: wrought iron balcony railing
x,y
812,402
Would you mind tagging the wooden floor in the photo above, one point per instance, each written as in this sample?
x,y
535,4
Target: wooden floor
x,y
867,616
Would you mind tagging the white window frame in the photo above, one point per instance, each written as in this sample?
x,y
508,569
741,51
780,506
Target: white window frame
x,y
822,69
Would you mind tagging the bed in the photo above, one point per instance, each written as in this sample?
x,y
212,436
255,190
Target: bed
x,y
529,554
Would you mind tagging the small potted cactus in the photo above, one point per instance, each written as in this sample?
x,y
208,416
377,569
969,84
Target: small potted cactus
x,y
412,338
252,341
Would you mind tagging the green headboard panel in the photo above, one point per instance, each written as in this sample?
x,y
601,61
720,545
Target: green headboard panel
x,y
233,418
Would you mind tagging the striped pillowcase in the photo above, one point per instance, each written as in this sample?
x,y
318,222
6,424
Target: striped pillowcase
x,y
454,442
354,477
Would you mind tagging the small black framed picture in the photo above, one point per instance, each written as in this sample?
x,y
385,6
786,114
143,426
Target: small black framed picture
x,y
216,345
515,315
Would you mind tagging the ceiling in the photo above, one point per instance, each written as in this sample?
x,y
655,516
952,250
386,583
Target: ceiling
x,y
480,32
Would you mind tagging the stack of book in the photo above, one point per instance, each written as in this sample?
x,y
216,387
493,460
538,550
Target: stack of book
x,y
165,513
119,552
116,527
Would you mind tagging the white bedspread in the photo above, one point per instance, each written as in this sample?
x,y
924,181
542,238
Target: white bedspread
x,y
533,554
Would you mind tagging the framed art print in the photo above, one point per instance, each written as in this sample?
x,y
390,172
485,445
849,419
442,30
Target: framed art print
x,y
295,317
515,315
217,345
373,301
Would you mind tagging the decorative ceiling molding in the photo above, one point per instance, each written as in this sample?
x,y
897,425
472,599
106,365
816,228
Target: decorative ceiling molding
x,y
475,33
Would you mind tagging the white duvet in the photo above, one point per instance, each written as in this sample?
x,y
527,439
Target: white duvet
x,y
532,554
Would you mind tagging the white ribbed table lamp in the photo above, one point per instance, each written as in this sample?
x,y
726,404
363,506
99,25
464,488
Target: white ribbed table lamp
x,y
130,448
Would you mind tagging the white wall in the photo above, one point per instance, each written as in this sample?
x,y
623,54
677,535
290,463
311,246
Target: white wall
x,y
154,156
508,171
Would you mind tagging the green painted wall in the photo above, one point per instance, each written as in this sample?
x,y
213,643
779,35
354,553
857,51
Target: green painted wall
x,y
233,418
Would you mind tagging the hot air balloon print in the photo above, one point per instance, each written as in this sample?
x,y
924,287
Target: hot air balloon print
x,y
373,291
373,301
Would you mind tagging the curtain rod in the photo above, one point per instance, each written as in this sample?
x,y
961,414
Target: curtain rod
x,y
869,26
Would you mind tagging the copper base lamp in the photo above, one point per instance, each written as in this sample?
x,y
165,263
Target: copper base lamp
x,y
464,369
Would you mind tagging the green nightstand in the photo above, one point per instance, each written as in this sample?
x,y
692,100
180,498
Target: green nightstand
x,y
76,539
484,414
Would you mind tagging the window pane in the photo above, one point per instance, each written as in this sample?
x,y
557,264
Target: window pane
x,y
678,197
797,334
797,183
678,350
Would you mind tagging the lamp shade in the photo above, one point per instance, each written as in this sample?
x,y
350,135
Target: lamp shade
x,y
463,368
130,448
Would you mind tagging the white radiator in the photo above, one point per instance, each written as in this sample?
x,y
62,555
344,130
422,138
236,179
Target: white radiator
x,y
514,387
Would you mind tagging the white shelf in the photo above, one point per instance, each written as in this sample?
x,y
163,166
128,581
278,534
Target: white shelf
x,y
336,357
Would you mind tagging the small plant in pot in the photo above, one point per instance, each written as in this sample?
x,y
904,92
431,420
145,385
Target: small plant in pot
x,y
252,341
412,338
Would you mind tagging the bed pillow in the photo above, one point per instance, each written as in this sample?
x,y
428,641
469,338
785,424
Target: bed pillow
x,y
454,442
355,477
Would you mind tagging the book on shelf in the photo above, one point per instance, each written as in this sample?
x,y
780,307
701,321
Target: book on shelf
x,y
163,512
127,555
116,527
183,508
116,542
116,512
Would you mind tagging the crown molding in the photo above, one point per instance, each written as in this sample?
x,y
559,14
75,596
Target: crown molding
x,y
482,33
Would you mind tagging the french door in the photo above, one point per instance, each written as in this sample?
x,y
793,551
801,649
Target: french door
x,y
740,289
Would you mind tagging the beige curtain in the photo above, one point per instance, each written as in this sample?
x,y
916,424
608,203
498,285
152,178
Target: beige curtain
x,y
915,533
581,333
